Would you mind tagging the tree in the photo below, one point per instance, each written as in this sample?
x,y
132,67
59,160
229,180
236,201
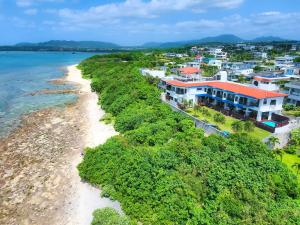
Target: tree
x,y
297,167
272,141
278,152
257,69
242,78
297,59
249,126
237,126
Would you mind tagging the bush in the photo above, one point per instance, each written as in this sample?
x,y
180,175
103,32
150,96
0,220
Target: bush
x,y
109,216
237,126
249,126
219,118
289,107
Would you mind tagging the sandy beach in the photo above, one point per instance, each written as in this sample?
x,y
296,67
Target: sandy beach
x,y
38,176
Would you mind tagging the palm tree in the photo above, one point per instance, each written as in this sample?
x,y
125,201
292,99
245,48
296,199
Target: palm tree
x,y
297,167
272,141
278,152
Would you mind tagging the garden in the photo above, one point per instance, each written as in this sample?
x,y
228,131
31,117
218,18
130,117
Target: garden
x,y
227,123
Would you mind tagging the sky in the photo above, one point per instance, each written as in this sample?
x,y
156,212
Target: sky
x,y
133,22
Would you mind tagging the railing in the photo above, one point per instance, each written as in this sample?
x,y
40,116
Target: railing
x,y
265,127
280,120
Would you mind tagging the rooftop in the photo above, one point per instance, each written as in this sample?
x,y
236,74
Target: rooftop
x,y
188,70
230,86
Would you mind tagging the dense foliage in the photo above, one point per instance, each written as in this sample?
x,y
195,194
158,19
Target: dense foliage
x,y
165,171
108,216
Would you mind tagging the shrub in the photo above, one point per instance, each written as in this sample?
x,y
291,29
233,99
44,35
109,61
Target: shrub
x,y
219,118
237,126
249,126
109,216
289,107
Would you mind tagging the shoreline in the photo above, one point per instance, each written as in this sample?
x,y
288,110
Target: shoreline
x,y
39,180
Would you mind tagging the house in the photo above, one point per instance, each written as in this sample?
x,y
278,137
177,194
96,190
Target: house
x,y
284,61
193,64
260,55
248,102
293,91
189,73
249,47
269,81
212,62
217,53
198,58
235,69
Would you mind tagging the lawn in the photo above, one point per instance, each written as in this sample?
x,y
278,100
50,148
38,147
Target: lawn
x,y
290,160
257,132
295,113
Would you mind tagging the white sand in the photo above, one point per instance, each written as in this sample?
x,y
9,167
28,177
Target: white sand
x,y
87,198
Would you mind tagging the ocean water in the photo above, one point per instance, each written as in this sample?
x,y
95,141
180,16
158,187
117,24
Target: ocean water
x,y
24,73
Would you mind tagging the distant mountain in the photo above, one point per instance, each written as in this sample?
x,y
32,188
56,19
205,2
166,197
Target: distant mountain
x,y
267,39
71,44
225,38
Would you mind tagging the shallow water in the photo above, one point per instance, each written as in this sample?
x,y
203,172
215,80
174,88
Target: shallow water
x,y
23,73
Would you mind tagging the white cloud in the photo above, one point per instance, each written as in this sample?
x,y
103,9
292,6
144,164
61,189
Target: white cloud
x,y
200,24
142,9
31,12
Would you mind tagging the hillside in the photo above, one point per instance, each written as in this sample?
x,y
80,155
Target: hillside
x,y
71,44
225,39
165,171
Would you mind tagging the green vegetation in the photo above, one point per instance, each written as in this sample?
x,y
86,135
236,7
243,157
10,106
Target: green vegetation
x,y
164,171
229,123
107,119
108,216
209,71
240,56
297,59
291,110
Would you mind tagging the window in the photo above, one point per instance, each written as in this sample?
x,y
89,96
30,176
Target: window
x,y
236,98
199,89
273,102
205,89
265,101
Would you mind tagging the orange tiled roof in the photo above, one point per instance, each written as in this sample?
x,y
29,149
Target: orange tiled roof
x,y
189,70
232,87
266,79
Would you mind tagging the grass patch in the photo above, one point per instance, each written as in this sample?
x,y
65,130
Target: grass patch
x,y
290,160
226,126
108,119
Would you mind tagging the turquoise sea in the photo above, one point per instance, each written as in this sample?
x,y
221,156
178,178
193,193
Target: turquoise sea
x,y
23,73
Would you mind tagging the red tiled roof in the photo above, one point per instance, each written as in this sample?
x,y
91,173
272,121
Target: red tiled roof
x,y
189,70
232,87
266,79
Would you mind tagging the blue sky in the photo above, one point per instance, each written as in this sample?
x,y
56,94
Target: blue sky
x,y
132,22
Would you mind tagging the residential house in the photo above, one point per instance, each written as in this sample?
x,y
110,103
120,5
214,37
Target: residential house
x,y
212,62
248,102
284,61
293,91
189,74
269,81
